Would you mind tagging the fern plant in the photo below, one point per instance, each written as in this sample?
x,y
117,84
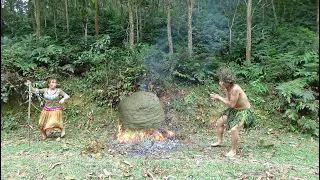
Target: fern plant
x,y
301,95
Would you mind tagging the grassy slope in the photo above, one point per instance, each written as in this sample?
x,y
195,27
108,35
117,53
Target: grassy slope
x,y
281,154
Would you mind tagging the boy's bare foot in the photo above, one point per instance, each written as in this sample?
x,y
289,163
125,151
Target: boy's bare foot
x,y
230,154
216,144
44,135
63,132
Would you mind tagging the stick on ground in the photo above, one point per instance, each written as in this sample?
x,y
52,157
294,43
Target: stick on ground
x,y
29,105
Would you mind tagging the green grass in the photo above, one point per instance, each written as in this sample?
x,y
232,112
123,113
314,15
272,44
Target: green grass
x,y
282,155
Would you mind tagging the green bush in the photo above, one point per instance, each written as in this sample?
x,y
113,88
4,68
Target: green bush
x,y
35,59
300,95
113,73
10,121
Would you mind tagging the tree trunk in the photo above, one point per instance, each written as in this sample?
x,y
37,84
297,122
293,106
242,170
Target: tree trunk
x,y
284,10
317,40
31,14
230,41
67,17
45,19
190,6
37,14
158,5
96,17
263,12
122,16
140,24
230,24
137,24
55,22
169,27
249,17
2,26
131,22
274,13
164,6
86,32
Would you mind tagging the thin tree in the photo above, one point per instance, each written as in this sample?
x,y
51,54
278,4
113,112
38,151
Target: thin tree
x,y
138,11
31,14
85,19
190,6
140,24
263,11
169,27
37,15
2,18
96,17
249,18
230,9
131,22
317,40
122,14
44,11
274,12
86,30
137,23
85,8
67,16
55,20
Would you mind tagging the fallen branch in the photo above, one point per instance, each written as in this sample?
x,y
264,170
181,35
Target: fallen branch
x,y
147,173
56,164
29,105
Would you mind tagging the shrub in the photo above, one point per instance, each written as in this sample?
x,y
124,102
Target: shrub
x,y
300,96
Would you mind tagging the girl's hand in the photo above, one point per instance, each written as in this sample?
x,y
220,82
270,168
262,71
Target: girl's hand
x,y
61,101
28,83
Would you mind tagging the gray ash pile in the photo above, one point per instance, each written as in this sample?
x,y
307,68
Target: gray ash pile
x,y
145,146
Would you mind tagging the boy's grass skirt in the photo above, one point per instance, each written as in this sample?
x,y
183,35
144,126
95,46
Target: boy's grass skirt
x,y
50,117
236,116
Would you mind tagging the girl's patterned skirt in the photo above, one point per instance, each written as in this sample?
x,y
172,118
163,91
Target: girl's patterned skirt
x,y
51,117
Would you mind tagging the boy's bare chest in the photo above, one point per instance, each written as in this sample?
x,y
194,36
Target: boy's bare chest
x,y
228,94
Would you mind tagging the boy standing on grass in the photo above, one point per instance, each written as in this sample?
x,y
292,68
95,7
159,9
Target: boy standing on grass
x,y
238,115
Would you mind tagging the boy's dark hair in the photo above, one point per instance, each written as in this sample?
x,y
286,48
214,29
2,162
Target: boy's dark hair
x,y
226,75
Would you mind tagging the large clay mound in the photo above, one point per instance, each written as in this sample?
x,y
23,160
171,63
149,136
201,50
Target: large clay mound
x,y
141,110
